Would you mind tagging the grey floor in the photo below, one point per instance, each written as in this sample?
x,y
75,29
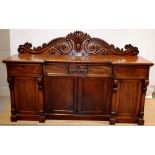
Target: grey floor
x,y
3,101
5,117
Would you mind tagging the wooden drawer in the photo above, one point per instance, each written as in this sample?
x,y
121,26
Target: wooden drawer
x,y
64,69
14,69
55,69
100,70
77,69
127,72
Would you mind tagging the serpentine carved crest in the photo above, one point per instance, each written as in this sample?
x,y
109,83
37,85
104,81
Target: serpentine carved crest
x,y
78,42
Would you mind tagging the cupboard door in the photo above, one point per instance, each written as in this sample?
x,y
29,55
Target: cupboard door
x,y
60,94
128,98
26,95
94,95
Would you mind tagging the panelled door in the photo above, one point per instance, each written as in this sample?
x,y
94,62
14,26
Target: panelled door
x,y
60,94
94,95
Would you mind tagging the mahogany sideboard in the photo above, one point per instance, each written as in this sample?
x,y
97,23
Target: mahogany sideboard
x,y
78,77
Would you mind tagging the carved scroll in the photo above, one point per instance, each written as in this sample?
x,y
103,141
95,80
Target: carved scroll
x,y
78,42
58,45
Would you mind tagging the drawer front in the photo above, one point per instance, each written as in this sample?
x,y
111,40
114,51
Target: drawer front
x,y
56,69
14,69
100,70
131,72
77,69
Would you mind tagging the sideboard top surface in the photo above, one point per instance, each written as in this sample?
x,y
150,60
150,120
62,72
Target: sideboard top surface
x,y
114,59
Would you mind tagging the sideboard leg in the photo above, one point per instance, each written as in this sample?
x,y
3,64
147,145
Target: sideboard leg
x,y
140,121
13,118
141,118
13,113
42,117
112,120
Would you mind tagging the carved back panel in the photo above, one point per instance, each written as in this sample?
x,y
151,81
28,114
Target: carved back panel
x,y
79,44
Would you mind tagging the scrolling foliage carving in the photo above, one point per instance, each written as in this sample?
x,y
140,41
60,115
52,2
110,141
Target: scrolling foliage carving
x,y
78,42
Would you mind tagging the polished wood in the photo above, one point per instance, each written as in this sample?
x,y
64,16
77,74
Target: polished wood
x,y
91,103
78,77
59,94
131,72
78,43
15,69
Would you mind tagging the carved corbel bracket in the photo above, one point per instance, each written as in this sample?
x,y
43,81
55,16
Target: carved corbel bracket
x,y
13,106
145,84
10,81
40,83
115,84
